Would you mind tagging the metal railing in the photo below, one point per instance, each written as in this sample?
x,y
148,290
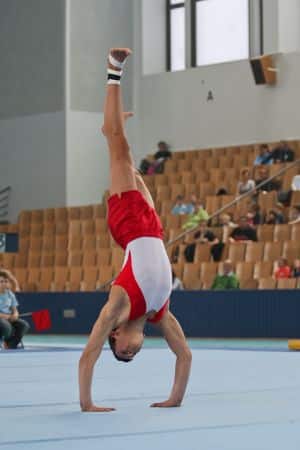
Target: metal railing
x,y
241,197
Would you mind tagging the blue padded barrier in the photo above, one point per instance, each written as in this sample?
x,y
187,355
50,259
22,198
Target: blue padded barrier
x,y
240,314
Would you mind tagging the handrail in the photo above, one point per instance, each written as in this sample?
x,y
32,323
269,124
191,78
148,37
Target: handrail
x,y
222,209
233,202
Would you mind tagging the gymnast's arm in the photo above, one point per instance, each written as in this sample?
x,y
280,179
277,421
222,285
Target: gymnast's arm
x,y
105,323
175,338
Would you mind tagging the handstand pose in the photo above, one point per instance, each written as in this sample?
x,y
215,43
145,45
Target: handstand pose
x,y
141,291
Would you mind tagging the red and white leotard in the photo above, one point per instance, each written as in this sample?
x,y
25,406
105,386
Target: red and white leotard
x,y
146,272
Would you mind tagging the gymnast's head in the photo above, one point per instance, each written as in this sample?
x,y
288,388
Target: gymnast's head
x,y
125,342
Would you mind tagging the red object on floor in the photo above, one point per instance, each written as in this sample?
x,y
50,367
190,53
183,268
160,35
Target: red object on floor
x,y
42,320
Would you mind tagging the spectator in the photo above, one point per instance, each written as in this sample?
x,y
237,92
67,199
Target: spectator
x,y
295,186
269,186
228,280
255,216
192,205
295,215
156,166
163,151
245,184
279,211
274,218
283,269
264,156
204,236
225,221
296,268
12,329
243,232
200,215
177,284
13,284
271,217
283,153
180,207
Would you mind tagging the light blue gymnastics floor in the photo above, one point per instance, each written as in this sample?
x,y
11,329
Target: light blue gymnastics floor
x,y
236,399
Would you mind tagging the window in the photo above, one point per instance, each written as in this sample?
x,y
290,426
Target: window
x,y
220,31
175,35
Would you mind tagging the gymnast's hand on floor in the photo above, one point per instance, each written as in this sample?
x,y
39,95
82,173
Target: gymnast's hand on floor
x,y
167,404
94,408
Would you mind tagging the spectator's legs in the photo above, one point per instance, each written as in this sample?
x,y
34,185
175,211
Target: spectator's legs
x,y
20,328
6,329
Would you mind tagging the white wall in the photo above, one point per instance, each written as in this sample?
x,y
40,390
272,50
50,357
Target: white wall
x,y
289,25
92,27
174,106
153,17
33,161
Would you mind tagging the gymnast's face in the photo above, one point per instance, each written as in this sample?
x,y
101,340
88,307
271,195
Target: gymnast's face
x,y
127,342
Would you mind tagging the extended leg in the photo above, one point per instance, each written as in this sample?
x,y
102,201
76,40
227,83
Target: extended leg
x,y
121,162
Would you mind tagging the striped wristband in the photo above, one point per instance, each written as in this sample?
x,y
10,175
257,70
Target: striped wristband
x,y
114,76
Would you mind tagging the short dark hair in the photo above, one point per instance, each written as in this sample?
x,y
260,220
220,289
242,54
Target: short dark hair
x,y
4,274
112,344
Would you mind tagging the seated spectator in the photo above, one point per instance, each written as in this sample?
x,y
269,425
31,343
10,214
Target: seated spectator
x,y
12,329
225,221
163,151
245,184
200,215
274,218
264,156
177,284
180,208
269,186
283,269
255,216
283,153
204,236
295,186
296,269
243,232
228,279
192,205
279,211
156,166
295,215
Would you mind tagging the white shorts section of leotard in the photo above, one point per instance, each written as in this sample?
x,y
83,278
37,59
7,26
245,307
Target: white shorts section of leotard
x,y
152,270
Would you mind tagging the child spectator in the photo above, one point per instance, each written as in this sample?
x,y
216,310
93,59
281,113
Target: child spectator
x,y
12,328
226,280
192,205
180,208
200,215
283,269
